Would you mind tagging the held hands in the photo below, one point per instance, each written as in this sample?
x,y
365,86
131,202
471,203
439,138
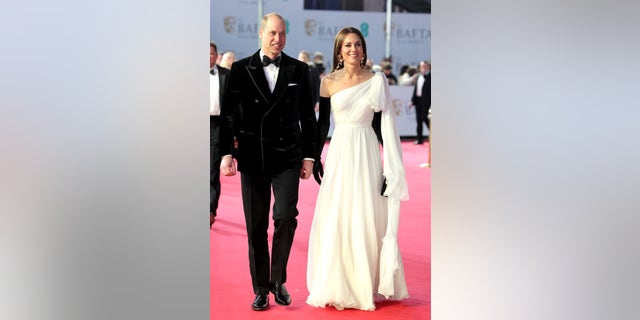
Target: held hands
x,y
318,171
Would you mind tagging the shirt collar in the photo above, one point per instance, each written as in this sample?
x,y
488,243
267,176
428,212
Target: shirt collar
x,y
262,55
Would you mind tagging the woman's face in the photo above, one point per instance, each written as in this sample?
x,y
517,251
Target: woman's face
x,y
352,51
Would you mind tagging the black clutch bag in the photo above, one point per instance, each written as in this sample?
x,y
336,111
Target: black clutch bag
x,y
384,186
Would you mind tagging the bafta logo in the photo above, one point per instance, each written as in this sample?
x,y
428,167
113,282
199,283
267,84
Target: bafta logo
x,y
229,24
397,106
384,28
310,26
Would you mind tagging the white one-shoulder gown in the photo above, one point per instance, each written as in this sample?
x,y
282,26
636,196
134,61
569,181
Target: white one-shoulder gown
x,y
352,220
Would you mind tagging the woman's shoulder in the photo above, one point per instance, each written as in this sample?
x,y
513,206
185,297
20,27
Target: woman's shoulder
x,y
329,80
331,77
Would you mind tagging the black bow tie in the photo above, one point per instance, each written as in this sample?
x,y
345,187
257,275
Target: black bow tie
x,y
266,61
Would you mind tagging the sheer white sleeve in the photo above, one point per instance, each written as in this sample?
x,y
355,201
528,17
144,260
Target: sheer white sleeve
x,y
392,281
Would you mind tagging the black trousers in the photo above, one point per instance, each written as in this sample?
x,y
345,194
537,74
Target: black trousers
x,y
422,116
214,163
256,199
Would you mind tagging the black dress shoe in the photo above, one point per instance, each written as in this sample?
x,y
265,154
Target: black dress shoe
x,y
418,142
280,293
261,302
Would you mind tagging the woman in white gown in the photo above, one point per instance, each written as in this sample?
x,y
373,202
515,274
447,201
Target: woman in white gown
x,y
348,266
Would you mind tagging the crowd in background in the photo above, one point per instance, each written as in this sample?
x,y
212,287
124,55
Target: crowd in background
x,y
408,74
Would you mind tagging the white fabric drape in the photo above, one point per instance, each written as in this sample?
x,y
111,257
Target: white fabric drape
x,y
392,282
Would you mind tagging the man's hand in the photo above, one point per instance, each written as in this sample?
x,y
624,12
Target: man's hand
x,y
228,166
307,167
318,171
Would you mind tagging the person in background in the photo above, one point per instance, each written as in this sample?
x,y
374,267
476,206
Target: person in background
x,y
353,254
369,64
268,106
217,80
421,99
388,72
228,58
318,61
314,77
404,68
219,59
408,77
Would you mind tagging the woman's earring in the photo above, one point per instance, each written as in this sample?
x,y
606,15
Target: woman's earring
x,y
340,63
362,62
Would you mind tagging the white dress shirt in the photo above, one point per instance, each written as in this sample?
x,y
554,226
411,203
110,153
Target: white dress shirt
x,y
214,92
271,72
420,83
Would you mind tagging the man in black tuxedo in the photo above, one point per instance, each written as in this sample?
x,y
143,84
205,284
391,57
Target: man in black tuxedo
x,y
268,106
421,99
217,80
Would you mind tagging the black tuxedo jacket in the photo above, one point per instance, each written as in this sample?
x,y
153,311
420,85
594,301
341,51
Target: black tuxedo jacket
x,y
425,100
275,131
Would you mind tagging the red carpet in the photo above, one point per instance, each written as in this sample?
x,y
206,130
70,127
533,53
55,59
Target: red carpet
x,y
231,292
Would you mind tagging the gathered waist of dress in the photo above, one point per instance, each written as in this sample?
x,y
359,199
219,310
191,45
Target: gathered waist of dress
x,y
353,124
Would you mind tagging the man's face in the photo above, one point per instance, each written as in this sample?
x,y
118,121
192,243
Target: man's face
x,y
424,67
213,57
274,36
